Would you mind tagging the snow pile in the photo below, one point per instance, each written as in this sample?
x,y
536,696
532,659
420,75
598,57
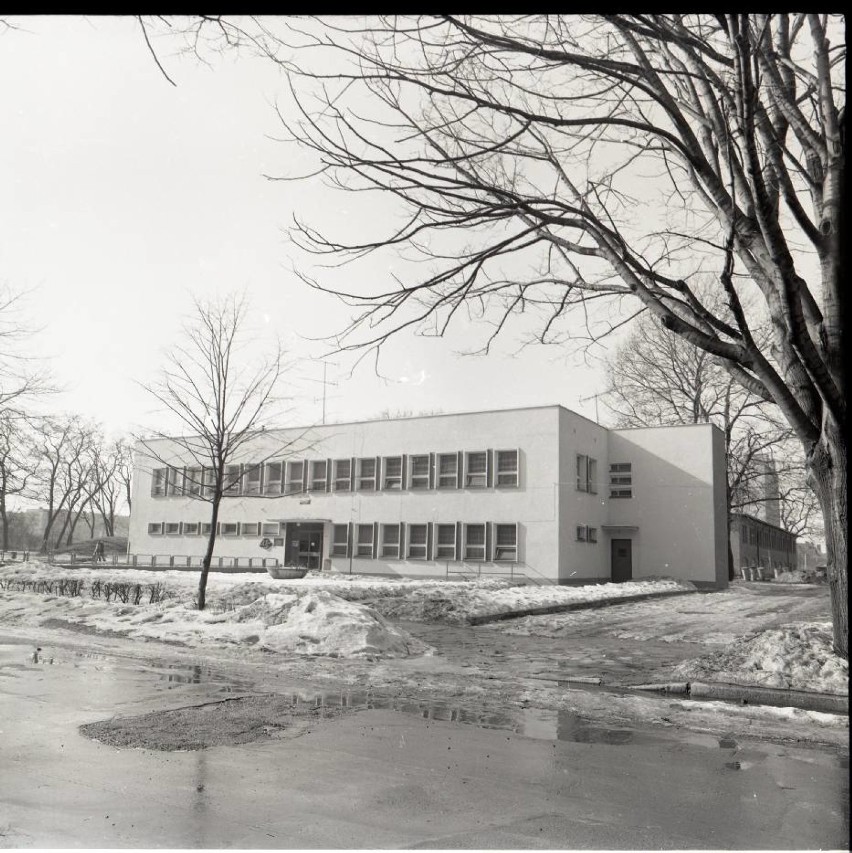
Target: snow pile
x,y
797,656
322,624
798,576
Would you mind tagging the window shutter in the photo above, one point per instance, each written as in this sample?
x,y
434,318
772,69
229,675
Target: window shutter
x,y
328,475
375,539
460,470
349,532
489,540
431,470
459,553
489,466
305,475
403,480
379,474
430,543
402,540
352,474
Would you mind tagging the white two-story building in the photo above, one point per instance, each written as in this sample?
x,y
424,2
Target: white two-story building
x,y
542,492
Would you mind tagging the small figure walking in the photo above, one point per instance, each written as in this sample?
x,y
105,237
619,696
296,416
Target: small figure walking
x,y
99,552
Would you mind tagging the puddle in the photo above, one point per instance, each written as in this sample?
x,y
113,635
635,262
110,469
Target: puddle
x,y
727,743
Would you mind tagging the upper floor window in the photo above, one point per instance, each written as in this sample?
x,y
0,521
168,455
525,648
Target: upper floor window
x,y
272,478
232,480
621,480
252,479
192,481
417,541
250,528
295,478
155,528
507,468
587,474
476,470
175,481
365,477
506,542
190,528
392,475
172,528
448,471
581,532
270,528
158,482
319,475
229,528
342,475
209,480
419,476
206,527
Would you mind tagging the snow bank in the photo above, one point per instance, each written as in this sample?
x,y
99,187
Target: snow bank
x,y
797,656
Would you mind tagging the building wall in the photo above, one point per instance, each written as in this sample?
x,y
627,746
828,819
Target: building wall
x,y
532,505
676,518
757,543
678,504
582,561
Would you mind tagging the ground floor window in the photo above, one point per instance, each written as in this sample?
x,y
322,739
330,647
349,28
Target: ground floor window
x,y
390,540
417,541
474,541
340,540
506,542
445,546
365,541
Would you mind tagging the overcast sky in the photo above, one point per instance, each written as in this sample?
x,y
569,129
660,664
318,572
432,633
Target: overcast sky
x,y
123,196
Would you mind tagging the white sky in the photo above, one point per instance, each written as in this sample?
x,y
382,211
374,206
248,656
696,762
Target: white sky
x,y
120,196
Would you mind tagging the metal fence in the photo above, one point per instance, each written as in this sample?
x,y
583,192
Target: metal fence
x,y
142,561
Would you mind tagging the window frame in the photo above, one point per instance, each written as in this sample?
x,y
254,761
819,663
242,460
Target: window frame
x,y
414,479
514,473
466,527
223,531
267,524
155,528
620,480
317,484
358,544
396,478
273,485
289,482
159,480
190,528
439,476
250,487
337,479
335,545
581,533
411,529
438,545
195,477
168,524
254,524
235,487
483,474
393,546
498,547
360,478
592,535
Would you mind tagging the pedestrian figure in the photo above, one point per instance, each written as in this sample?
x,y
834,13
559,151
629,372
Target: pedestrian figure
x,y
99,552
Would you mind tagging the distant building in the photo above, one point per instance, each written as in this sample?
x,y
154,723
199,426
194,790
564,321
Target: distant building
x,y
541,492
755,542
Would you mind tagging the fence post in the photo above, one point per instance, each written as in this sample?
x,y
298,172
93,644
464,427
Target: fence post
x,y
171,561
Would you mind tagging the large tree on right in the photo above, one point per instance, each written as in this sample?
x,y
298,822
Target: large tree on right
x,y
557,164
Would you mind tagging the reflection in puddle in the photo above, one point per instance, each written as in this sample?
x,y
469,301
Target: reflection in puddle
x,y
727,743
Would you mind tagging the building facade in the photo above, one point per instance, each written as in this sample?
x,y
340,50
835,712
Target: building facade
x,y
541,492
755,542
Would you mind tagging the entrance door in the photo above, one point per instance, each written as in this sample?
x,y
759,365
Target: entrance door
x,y
303,545
622,560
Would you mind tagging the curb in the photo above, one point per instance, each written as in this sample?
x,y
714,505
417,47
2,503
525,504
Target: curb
x,y
577,605
830,703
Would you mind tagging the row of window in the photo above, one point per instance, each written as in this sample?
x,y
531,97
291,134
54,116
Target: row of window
x,y
586,533
620,477
469,470
432,540
779,540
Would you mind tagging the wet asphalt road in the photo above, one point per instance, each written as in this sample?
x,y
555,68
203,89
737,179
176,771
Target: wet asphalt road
x,y
389,774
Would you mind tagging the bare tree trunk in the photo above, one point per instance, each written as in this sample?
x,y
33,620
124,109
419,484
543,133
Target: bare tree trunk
x,y
208,556
827,477
5,521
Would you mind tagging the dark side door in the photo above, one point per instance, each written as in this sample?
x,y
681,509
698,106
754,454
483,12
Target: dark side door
x,y
622,560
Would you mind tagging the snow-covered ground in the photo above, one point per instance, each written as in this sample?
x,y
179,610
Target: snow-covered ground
x,y
797,656
338,616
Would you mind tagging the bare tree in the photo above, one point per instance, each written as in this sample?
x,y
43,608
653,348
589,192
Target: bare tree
x,y
111,473
16,469
222,402
61,451
557,165
656,377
